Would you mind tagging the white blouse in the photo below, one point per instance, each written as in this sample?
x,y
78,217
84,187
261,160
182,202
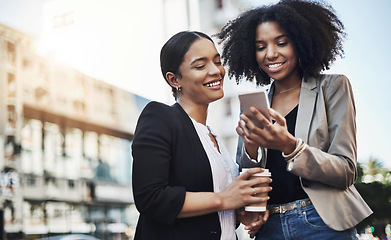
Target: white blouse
x,y
224,171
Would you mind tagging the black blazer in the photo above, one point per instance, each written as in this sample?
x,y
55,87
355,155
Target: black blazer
x,y
168,160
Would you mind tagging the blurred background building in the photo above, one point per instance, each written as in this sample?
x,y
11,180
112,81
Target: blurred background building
x,y
65,142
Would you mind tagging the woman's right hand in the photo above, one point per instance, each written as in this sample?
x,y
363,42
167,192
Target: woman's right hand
x,y
238,194
241,191
259,131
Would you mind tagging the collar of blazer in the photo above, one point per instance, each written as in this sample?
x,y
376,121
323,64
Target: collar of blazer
x,y
307,101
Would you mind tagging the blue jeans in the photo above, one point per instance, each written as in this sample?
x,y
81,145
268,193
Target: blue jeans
x,y
301,223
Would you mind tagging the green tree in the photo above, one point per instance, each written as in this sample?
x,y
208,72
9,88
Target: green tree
x,y
377,194
374,167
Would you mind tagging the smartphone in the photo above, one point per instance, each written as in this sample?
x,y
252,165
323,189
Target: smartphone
x,y
257,99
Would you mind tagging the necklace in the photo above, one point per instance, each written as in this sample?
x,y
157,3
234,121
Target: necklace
x,y
284,91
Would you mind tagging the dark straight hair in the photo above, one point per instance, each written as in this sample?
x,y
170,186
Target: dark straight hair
x,y
174,50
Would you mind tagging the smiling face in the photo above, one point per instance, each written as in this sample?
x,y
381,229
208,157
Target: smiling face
x,y
202,74
275,52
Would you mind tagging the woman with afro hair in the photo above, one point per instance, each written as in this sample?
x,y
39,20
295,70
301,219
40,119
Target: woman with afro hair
x,y
310,144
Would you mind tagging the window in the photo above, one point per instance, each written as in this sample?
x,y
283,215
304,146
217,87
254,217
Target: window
x,y
11,85
71,184
26,63
11,52
31,181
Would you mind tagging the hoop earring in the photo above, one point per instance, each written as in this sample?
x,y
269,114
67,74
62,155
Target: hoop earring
x,y
178,89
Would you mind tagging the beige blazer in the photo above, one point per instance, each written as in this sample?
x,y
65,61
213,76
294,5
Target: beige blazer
x,y
326,122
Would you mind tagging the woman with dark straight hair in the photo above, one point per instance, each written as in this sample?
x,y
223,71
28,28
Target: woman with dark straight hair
x,y
185,184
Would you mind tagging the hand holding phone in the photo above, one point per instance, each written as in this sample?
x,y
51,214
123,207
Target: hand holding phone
x,y
257,99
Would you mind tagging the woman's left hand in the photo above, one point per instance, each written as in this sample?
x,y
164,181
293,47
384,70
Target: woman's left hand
x,y
258,130
252,221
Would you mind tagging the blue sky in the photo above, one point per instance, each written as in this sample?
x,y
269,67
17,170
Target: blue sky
x,y
367,49
366,64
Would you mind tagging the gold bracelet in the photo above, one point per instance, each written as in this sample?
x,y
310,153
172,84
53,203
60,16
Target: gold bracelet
x,y
297,154
299,142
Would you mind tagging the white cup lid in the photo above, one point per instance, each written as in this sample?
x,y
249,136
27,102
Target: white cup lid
x,y
254,209
265,173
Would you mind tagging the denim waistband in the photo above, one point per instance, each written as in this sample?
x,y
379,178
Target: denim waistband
x,y
289,207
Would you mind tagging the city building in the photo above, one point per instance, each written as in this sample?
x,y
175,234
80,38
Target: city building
x,y
65,147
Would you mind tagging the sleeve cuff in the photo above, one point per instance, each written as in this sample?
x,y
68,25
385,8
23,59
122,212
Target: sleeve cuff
x,y
259,155
289,165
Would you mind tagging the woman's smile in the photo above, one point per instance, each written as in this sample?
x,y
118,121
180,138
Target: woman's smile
x,y
275,67
214,84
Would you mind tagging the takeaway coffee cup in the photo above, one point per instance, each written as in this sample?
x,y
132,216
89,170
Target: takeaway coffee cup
x,y
258,207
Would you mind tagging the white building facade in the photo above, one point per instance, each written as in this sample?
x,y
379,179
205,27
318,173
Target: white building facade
x,y
64,147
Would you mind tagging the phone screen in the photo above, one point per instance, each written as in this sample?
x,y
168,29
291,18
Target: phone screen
x,y
256,99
